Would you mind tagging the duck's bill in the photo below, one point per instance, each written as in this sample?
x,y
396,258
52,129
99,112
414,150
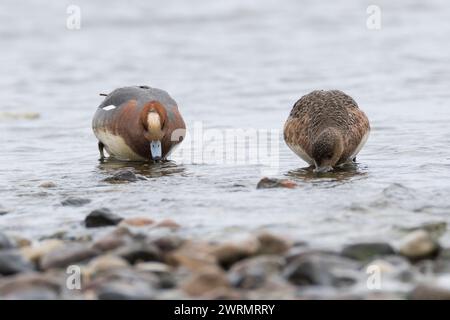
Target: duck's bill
x,y
156,150
323,169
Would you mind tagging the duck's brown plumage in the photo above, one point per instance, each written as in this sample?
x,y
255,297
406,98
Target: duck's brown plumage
x,y
326,120
120,122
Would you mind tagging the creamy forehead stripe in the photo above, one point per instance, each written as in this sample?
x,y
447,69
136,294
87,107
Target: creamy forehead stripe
x,y
110,107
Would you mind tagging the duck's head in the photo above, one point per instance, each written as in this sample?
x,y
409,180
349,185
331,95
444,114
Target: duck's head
x,y
327,149
153,118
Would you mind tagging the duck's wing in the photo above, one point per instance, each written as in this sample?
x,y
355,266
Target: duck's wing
x,y
297,131
358,132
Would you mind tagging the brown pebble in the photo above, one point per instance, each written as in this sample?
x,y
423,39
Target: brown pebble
x,y
229,253
67,255
272,244
137,222
47,184
193,256
268,183
205,282
168,223
113,240
36,252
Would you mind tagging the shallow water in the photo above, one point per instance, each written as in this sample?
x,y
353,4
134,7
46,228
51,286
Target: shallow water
x,y
228,65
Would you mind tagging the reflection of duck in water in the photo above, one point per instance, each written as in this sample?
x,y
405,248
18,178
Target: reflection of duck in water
x,y
326,129
138,124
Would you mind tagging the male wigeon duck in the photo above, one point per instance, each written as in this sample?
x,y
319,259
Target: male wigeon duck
x,y
326,129
138,124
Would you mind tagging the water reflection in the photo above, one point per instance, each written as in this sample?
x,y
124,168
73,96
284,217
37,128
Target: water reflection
x,y
112,166
343,173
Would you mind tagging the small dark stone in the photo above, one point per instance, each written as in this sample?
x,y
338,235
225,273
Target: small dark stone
x,y
272,244
168,242
12,262
366,251
322,269
124,175
267,183
3,211
74,202
5,242
442,261
102,218
252,273
139,252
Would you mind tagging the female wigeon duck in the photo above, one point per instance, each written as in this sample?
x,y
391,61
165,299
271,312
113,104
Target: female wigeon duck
x,y
326,129
138,124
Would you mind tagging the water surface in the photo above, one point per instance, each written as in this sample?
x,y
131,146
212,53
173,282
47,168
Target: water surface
x,y
231,64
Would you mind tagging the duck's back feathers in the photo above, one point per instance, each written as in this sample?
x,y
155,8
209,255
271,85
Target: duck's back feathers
x,y
142,95
320,110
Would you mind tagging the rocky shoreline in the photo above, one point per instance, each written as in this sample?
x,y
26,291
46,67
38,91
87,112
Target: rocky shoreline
x,y
139,258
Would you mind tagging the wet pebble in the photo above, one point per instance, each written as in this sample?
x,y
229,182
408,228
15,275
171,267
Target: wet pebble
x,y
138,252
124,175
5,242
3,211
206,282
12,262
8,115
125,291
164,272
124,284
156,267
104,263
74,253
137,222
366,251
75,202
418,245
267,183
272,244
48,185
118,237
253,272
29,286
228,253
36,252
442,261
20,241
168,242
436,228
437,289
168,223
322,269
193,256
102,218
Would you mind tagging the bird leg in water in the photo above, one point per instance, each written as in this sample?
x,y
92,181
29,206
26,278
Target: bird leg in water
x,y
100,149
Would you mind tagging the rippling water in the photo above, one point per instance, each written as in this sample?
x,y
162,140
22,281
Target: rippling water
x,y
230,64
